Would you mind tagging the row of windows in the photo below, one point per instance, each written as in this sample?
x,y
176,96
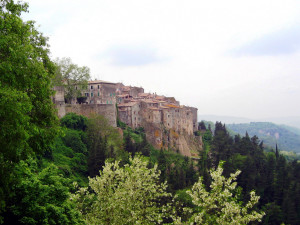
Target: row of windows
x,y
92,94
92,87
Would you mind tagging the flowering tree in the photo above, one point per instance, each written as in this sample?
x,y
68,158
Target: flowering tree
x,y
221,205
125,195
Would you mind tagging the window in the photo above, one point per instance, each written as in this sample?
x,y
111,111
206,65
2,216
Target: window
x,y
86,94
92,87
98,93
92,94
98,86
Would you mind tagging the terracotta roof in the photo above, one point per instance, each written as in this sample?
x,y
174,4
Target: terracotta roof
x,y
149,101
144,94
172,106
100,82
160,97
124,95
164,107
153,108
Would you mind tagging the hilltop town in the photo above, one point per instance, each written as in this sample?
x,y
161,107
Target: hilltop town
x,y
167,124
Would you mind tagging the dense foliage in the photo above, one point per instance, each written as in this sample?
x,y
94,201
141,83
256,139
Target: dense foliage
x,y
269,173
125,195
221,205
129,181
28,120
72,77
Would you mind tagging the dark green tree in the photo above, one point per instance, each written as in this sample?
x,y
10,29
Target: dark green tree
x,y
74,121
40,197
28,119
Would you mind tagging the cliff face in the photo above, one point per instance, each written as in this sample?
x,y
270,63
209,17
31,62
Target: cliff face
x,y
179,141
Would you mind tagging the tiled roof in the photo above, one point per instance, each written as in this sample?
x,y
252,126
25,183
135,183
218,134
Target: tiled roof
x,y
160,97
100,82
124,95
164,107
172,106
154,108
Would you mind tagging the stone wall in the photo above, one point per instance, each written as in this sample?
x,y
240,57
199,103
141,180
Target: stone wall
x,y
59,96
107,110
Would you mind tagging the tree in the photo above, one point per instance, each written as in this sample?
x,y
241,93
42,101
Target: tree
x,y
221,204
28,119
100,135
74,121
40,197
72,77
128,195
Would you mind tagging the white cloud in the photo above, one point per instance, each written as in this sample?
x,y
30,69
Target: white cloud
x,y
182,48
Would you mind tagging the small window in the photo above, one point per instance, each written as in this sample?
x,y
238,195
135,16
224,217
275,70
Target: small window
x,y
98,86
92,87
86,94
92,94
98,93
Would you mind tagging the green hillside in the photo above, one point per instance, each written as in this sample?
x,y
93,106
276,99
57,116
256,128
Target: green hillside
x,y
287,138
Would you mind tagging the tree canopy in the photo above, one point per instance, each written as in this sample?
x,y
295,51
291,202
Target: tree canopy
x,y
73,77
221,204
28,119
125,195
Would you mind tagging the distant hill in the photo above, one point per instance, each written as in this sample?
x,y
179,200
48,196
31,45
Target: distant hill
x,y
224,119
293,121
287,138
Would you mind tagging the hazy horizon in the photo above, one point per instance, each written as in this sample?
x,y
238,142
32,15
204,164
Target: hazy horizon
x,y
224,57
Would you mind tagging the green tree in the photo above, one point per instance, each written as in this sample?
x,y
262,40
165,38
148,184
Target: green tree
x,y
101,138
73,77
125,195
221,204
40,197
74,121
28,118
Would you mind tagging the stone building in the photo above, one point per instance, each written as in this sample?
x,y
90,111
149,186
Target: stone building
x,y
100,92
167,123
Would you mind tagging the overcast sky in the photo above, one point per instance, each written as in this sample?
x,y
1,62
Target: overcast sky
x,y
236,58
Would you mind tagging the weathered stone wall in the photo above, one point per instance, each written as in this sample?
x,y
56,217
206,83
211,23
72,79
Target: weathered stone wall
x,y
194,112
106,110
134,91
59,97
101,93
